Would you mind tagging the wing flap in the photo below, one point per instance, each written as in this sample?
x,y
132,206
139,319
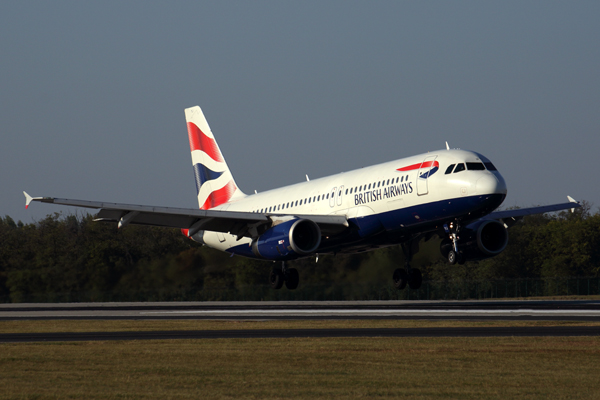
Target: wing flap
x,y
522,212
234,222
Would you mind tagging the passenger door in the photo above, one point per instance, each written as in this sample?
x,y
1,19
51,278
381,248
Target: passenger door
x,y
423,175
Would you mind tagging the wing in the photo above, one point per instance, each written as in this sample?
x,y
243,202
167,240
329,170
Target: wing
x,y
235,222
509,217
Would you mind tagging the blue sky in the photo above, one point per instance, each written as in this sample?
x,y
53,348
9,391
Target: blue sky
x,y
92,93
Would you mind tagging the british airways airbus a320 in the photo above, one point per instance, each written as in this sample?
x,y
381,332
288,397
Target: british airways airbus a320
x,y
448,193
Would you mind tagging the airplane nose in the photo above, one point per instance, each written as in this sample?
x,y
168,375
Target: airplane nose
x,y
490,184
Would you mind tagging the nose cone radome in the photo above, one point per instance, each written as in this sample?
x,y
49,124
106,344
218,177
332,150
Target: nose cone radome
x,y
490,184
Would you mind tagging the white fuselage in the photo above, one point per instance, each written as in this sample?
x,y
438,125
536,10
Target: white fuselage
x,y
393,197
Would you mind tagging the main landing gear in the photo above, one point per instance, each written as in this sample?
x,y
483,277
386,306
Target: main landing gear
x,y
408,275
282,275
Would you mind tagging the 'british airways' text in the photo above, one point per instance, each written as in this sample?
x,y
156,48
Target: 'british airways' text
x,y
383,193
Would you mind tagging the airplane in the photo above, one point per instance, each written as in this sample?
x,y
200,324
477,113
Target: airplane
x,y
448,193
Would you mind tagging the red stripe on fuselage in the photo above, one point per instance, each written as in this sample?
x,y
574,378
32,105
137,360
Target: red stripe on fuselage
x,y
219,196
426,164
199,141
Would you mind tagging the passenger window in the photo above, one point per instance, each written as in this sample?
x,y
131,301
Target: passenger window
x,y
296,203
402,180
449,169
378,183
388,182
369,186
475,166
346,191
459,167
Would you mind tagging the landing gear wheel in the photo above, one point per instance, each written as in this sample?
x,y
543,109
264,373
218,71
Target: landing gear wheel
x,y
276,278
445,247
452,257
292,278
415,278
400,278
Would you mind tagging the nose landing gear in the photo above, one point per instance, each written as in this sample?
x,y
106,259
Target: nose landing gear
x,y
454,255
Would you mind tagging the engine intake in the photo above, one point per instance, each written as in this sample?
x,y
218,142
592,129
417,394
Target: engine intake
x,y
288,240
492,237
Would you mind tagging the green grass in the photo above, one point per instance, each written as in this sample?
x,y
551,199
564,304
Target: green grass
x,y
411,368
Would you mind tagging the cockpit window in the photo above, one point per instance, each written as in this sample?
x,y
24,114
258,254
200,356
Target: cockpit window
x,y
475,166
459,167
490,166
449,169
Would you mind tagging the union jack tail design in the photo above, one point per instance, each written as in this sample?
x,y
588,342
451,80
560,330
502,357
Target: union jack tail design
x,y
214,183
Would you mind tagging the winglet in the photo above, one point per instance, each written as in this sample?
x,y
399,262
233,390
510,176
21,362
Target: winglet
x,y
28,199
572,200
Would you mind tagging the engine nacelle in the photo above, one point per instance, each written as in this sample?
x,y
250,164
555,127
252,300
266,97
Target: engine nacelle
x,y
288,240
478,241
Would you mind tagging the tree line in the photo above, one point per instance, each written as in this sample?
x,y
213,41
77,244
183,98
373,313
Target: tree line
x,y
74,254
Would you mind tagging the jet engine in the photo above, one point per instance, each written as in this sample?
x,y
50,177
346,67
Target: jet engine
x,y
288,240
478,241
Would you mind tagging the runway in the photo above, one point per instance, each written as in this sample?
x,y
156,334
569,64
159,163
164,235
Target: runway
x,y
579,310
303,333
260,311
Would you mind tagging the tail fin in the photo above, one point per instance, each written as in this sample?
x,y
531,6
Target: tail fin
x,y
214,182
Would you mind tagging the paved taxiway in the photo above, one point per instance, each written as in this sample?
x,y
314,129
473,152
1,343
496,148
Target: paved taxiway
x,y
506,310
456,310
304,333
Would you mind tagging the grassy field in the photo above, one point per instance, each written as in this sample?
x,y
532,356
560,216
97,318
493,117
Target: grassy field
x,y
412,368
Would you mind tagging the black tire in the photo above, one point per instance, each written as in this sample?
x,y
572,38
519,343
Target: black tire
x,y
400,278
276,278
445,247
292,278
452,257
415,279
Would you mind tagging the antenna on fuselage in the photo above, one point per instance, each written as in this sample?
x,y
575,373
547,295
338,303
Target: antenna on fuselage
x,y
447,147
307,178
